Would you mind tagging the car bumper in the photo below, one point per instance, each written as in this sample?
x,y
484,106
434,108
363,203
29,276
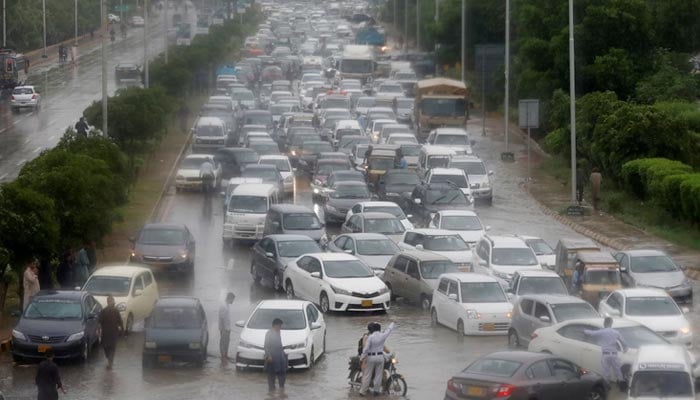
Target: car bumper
x,y
238,231
341,302
208,146
22,104
166,355
255,358
64,350
482,193
188,184
487,326
163,266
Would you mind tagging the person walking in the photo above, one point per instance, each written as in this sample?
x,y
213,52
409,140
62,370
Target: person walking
x,y
206,172
596,179
581,181
47,378
64,272
30,282
577,278
374,354
275,358
81,127
112,328
81,267
225,326
608,338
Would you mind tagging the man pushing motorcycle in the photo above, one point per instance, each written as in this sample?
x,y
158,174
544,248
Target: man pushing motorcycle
x,y
372,357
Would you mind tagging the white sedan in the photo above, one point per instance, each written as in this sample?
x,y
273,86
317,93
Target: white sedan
x,y
303,333
284,167
187,176
380,206
653,308
336,282
464,222
568,340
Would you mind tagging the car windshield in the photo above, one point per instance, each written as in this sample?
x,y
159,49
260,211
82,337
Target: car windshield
x,y
279,109
542,285
390,89
266,175
452,140
248,204
602,277
381,247
316,148
565,312
404,103
341,133
461,223
108,285
445,243
540,247
393,210
247,157
162,237
482,292
470,168
458,180
53,309
433,269
261,147
165,317
350,192
452,196
292,320
209,130
257,119
410,150
336,103
438,162
652,264
347,269
281,164
327,169
494,367
242,95
651,306
637,336
401,179
192,163
383,225
301,221
348,142
23,91
516,256
366,102
296,248
381,164
661,384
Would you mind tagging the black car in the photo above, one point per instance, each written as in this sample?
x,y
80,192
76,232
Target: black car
x,y
310,151
521,375
427,199
127,73
396,184
176,331
272,254
234,159
64,321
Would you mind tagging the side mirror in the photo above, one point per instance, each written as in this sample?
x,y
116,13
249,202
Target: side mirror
x,y
488,228
490,173
685,310
409,216
349,251
452,296
269,255
483,263
138,292
545,318
316,275
419,247
315,325
623,269
613,313
222,194
240,324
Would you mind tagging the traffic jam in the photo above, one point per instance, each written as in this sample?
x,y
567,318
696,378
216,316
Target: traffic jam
x,y
338,199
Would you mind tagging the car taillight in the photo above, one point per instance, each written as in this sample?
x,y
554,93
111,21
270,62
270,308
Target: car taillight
x,y
505,390
33,97
453,387
533,336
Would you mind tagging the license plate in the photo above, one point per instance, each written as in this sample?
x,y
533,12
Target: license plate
x,y
488,327
165,359
42,348
367,303
475,391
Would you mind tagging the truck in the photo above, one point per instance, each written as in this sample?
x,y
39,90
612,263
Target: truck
x,y
357,62
440,102
370,36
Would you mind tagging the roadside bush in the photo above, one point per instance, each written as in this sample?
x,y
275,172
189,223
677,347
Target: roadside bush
x,y
639,176
668,193
690,198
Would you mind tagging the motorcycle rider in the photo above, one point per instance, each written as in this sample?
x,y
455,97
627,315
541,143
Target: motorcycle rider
x,y
373,352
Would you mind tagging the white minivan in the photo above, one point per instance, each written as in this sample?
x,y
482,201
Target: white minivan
x,y
209,134
662,372
246,211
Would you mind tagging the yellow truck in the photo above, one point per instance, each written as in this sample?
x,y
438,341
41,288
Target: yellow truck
x,y
440,102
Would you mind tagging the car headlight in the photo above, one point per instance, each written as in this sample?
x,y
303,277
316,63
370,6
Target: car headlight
x,y
76,336
393,194
195,345
248,345
289,178
295,346
473,314
150,345
182,256
18,335
316,191
486,185
294,152
338,290
384,289
121,306
317,182
685,330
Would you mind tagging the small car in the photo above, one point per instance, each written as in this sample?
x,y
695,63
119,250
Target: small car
x,y
427,199
501,256
654,268
340,197
536,282
375,222
177,330
272,254
438,241
396,184
303,333
464,222
284,166
25,97
413,275
380,206
164,246
543,251
268,173
187,176
374,249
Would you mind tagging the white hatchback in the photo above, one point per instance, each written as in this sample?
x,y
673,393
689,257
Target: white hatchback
x,y
472,304
303,333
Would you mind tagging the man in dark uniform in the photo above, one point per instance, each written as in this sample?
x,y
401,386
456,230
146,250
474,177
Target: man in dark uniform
x,y
112,327
47,379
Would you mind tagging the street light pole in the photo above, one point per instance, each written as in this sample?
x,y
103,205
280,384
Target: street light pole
x,y
464,34
405,25
572,104
4,26
396,16
43,12
121,11
145,43
104,27
165,23
418,25
75,41
507,73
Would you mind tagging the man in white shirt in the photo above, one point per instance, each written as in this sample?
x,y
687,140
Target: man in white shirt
x,y
206,172
225,326
374,353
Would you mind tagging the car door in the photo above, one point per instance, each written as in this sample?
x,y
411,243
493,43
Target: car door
x,y
204,325
137,291
568,380
452,307
312,286
571,343
541,316
412,282
91,311
349,246
612,305
297,273
267,264
625,273
312,316
541,382
150,292
523,323
397,276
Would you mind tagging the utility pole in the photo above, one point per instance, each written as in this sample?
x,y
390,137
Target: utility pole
x,y
464,39
145,44
75,41
507,72
121,11
104,26
43,13
405,26
418,25
165,23
4,26
395,20
572,104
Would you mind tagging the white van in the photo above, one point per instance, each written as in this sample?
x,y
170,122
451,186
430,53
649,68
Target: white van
x,y
662,372
457,138
433,157
209,134
346,127
246,211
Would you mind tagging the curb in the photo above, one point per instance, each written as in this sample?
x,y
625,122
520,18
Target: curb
x,y
5,345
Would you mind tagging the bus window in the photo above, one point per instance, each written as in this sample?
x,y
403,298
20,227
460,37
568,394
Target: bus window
x,y
8,64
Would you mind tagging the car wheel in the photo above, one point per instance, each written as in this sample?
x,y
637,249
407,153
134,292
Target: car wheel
x,y
513,341
129,324
17,359
597,393
85,352
324,303
277,282
254,272
290,290
460,328
424,302
392,296
433,317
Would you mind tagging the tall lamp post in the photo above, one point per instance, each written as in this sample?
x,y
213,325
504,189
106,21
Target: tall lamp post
x,y
405,25
418,25
75,41
507,73
463,48
104,28
165,24
4,26
572,104
43,13
145,44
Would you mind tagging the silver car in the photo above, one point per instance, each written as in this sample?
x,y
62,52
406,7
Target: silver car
x,y
375,249
654,269
532,312
479,177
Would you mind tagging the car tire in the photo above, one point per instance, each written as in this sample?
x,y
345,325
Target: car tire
x,y
254,272
129,324
85,352
277,282
324,303
597,393
513,340
424,302
392,296
17,359
434,317
289,289
460,328
148,361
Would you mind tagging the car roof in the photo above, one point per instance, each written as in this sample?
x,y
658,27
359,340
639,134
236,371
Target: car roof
x,y
469,277
377,203
644,253
537,273
253,189
593,257
423,255
377,215
554,298
446,171
333,256
163,226
453,213
291,208
177,301
366,236
252,167
120,270
60,294
448,130
643,292
508,241
282,304
287,237
661,354
274,157
434,232
578,243
466,157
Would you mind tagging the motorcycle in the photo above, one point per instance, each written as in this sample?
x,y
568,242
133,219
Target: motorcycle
x,y
392,382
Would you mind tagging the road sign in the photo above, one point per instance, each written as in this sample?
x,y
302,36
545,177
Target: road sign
x,y
120,8
529,111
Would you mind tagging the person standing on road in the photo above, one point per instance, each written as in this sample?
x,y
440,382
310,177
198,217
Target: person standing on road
x,y
374,354
596,179
30,282
91,251
275,358
47,379
112,328
206,172
225,326
81,127
81,270
399,160
64,272
608,338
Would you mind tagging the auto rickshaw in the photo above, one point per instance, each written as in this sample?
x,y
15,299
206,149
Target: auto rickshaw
x,y
380,160
565,252
601,275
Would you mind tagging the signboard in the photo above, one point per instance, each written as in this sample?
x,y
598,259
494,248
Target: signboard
x,y
122,7
575,211
529,111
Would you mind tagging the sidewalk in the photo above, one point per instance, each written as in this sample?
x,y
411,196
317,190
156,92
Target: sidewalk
x,y
553,197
